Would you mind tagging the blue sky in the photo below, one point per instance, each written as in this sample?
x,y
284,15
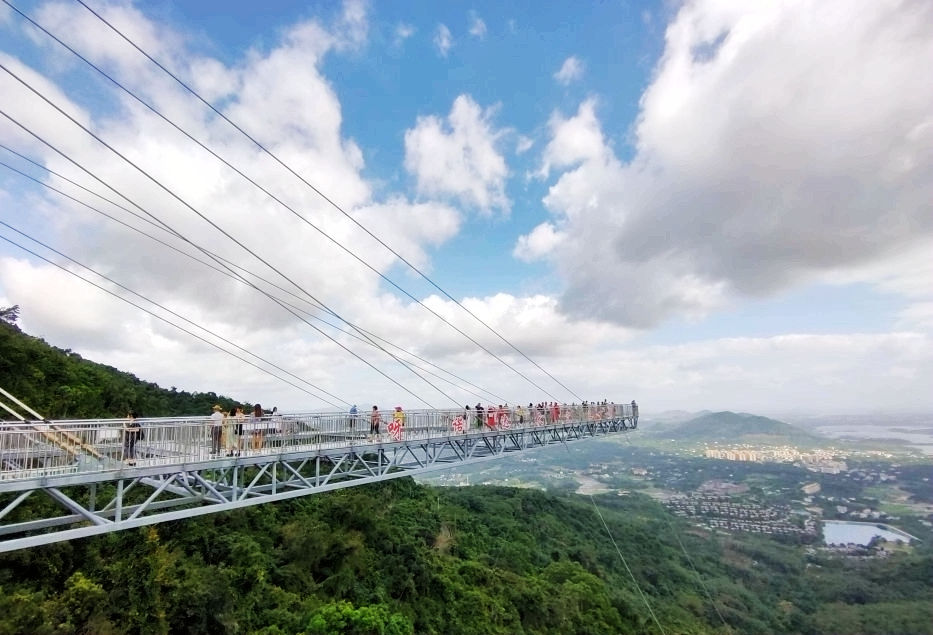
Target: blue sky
x,y
688,202
510,68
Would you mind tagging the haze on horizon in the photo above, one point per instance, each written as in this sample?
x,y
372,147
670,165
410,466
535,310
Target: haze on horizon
x,y
711,205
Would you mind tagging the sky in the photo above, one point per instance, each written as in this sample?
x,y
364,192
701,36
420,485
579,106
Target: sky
x,y
706,204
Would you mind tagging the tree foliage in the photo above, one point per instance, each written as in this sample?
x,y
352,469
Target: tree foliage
x,y
399,558
9,314
61,384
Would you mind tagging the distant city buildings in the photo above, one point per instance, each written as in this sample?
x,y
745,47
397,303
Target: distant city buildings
x,y
718,512
816,460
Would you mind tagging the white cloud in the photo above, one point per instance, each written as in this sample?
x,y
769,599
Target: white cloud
x,y
575,140
477,26
403,31
775,143
409,228
523,144
459,157
281,97
22,105
353,27
443,40
96,38
533,323
213,80
752,170
795,372
918,315
540,243
88,313
908,272
571,70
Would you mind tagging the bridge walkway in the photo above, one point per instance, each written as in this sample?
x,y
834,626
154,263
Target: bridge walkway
x,y
177,473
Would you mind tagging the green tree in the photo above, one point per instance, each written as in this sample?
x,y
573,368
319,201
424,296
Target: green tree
x,y
60,384
342,618
10,314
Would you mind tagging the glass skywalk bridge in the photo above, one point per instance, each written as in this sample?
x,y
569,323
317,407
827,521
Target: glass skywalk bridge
x,y
104,477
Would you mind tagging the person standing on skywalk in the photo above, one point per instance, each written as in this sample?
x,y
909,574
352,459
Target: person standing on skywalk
x,y
132,431
217,429
374,420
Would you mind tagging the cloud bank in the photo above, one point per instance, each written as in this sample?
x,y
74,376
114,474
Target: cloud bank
x,y
776,145
769,150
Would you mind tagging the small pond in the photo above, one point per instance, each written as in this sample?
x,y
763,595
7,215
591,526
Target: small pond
x,y
841,532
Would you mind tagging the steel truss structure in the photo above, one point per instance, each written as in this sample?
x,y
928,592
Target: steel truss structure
x,y
93,503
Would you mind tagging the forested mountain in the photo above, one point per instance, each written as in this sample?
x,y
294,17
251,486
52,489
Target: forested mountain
x,y
61,384
732,426
399,558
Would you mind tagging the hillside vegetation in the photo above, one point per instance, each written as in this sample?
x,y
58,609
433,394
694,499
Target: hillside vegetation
x,y
399,558
60,384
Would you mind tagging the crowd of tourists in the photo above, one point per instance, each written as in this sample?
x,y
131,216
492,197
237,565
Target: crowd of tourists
x,y
232,431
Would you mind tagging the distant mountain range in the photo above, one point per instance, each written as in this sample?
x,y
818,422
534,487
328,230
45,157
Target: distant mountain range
x,y
732,426
670,417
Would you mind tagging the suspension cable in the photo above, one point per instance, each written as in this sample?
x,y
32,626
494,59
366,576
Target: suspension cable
x,y
697,573
619,551
627,568
170,192
237,278
51,146
690,561
275,198
170,311
329,201
170,323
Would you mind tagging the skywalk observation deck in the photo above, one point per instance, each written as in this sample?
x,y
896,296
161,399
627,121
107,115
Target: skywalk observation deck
x,y
87,467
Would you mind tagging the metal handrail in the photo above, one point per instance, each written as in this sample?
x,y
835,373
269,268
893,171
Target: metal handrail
x,y
32,449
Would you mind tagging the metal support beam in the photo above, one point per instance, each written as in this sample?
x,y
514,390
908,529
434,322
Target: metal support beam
x,y
152,494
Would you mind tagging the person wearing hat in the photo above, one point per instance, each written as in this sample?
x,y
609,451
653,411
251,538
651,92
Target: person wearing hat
x,y
217,429
396,427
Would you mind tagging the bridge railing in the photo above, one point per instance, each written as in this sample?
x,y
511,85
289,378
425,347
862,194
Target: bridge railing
x,y
41,448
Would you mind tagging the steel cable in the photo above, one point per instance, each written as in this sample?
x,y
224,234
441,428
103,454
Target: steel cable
x,y
338,208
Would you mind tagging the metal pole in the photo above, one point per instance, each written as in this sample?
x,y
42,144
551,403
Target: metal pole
x,y
21,405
